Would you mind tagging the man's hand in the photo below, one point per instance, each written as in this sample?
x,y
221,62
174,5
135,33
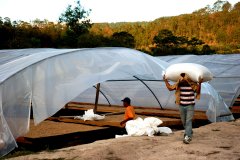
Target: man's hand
x,y
164,78
200,80
122,123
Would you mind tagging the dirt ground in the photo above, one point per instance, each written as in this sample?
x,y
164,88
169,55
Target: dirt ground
x,y
214,141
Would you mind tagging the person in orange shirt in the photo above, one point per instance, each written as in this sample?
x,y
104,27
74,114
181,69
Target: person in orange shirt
x,y
129,111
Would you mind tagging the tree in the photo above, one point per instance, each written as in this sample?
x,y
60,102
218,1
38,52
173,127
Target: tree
x,y
195,41
165,38
90,40
1,21
123,39
218,5
76,19
76,22
226,7
207,50
6,33
165,42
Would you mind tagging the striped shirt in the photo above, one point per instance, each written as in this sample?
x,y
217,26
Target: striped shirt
x,y
187,96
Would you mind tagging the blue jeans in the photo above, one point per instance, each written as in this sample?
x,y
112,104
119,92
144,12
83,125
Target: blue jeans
x,y
186,114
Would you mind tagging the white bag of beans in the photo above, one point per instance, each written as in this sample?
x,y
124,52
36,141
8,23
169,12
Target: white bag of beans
x,y
193,70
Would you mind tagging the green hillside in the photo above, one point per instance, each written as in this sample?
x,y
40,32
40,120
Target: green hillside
x,y
208,30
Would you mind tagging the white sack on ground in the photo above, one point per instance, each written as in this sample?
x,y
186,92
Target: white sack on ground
x,y
90,115
194,71
121,136
166,130
140,127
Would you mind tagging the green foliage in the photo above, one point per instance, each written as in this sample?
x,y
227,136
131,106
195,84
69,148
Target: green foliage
x,y
213,26
165,38
167,43
76,19
218,5
208,30
91,40
207,50
123,39
76,22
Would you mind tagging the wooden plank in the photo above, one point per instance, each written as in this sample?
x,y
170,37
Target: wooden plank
x,y
54,128
139,110
94,123
171,114
114,121
235,109
96,98
87,107
24,140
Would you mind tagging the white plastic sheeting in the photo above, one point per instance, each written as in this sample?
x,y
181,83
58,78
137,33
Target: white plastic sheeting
x,y
47,79
90,115
225,69
139,127
113,91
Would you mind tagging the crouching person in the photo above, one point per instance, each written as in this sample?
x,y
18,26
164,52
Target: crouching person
x,y
129,111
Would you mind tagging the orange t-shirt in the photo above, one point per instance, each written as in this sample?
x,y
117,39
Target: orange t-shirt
x,y
129,112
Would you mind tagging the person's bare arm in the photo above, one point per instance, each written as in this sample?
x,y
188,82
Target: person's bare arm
x,y
125,120
199,85
169,86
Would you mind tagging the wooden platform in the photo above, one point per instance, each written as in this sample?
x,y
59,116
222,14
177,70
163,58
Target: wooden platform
x,y
114,115
113,121
63,130
199,115
235,109
53,135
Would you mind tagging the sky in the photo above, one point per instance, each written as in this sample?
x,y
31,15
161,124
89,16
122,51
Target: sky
x,y
102,10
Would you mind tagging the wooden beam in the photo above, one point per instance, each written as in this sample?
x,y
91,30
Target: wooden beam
x,y
96,98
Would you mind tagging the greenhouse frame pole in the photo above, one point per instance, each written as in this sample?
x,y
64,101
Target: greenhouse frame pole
x,y
103,95
149,90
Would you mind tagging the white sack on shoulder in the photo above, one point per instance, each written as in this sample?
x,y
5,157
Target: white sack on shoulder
x,y
193,70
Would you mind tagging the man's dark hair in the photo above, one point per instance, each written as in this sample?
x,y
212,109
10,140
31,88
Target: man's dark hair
x,y
182,74
126,99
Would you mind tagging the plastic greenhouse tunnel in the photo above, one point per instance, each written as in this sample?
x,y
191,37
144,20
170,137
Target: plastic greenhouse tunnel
x,y
47,79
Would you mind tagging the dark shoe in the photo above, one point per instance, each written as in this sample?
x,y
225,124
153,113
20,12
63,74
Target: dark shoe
x,y
187,139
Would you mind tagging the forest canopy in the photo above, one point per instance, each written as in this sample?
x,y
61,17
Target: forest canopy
x,y
206,31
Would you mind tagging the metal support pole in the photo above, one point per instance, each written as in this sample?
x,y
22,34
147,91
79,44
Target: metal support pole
x,y
149,90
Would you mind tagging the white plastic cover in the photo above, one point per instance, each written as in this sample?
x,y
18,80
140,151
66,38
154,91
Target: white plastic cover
x,y
166,130
47,79
90,115
225,70
139,127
